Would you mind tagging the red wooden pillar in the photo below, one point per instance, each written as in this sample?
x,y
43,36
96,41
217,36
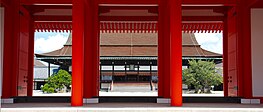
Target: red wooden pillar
x,y
160,49
225,57
11,35
31,54
244,50
16,41
91,51
7,69
176,52
7,58
88,65
167,53
164,50
96,48
77,53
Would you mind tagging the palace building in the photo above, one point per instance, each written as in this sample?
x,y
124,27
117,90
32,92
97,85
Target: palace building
x,y
130,57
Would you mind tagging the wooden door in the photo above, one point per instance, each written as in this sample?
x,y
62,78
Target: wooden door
x,y
232,53
23,53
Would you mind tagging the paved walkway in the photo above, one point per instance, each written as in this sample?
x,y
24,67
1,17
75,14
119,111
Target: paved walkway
x,y
131,107
130,89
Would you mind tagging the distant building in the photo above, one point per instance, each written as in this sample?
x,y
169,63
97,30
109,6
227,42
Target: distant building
x,y
42,72
130,56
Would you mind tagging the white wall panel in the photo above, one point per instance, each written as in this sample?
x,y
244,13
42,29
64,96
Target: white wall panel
x,y
257,51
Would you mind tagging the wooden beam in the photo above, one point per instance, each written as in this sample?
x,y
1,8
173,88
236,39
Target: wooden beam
x,y
129,18
4,3
52,18
155,18
41,2
132,2
128,7
255,3
202,18
209,2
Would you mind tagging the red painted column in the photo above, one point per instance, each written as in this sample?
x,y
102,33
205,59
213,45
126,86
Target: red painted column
x,y
96,48
164,50
160,49
167,53
16,41
176,52
225,57
88,71
77,53
91,51
244,50
8,54
11,35
31,54
247,54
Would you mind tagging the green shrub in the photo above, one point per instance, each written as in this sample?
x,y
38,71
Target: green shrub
x,y
202,75
51,90
57,82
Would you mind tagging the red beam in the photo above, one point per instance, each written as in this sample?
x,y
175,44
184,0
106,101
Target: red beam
x,y
52,18
128,1
129,18
151,26
33,2
49,6
128,8
4,3
200,2
256,3
131,2
202,18
207,2
203,7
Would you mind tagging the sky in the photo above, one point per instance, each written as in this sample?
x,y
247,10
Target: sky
x,y
210,41
46,42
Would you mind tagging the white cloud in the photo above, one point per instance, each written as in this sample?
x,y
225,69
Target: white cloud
x,y
210,41
49,43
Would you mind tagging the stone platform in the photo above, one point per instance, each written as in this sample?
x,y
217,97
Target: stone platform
x,y
131,107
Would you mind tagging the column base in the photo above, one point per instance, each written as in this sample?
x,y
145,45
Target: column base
x,y
90,100
250,101
163,100
7,101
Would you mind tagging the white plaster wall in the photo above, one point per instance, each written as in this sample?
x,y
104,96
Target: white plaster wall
x,y
257,51
1,46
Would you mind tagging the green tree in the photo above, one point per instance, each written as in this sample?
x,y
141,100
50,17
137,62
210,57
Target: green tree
x,y
57,82
202,75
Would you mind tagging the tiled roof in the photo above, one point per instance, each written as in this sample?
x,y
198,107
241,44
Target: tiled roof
x,y
38,63
135,44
